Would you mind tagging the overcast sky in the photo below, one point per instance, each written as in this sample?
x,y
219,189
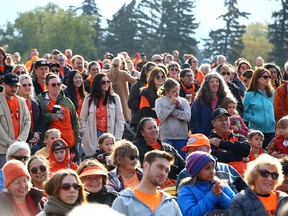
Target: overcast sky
x,y
206,11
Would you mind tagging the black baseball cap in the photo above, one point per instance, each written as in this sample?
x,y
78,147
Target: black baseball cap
x,y
219,112
58,144
41,62
11,79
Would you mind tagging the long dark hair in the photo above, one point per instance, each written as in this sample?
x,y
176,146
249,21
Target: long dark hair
x,y
151,85
96,91
72,90
145,69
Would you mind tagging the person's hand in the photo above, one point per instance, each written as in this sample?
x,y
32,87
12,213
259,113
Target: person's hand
x,y
235,128
100,157
216,189
173,99
215,141
55,116
245,159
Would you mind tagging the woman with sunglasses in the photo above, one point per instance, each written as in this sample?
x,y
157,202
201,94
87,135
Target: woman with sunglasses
x,y
225,71
65,191
127,174
263,175
38,171
60,112
173,70
26,90
258,105
19,69
101,113
120,79
95,177
148,95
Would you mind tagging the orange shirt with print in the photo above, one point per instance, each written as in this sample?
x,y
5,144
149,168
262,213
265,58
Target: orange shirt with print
x,y
101,116
15,114
151,200
63,124
270,202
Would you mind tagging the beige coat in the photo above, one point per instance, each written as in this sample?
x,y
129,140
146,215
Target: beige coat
x,y
120,82
88,121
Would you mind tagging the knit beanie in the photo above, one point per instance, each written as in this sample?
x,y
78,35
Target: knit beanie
x,y
12,170
196,161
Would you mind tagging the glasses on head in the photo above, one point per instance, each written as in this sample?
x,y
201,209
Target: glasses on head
x,y
133,157
103,82
266,77
42,168
25,85
266,173
174,69
67,186
20,157
56,84
160,77
55,70
20,73
225,73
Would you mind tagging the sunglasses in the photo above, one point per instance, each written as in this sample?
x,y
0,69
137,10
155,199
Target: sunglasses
x,y
42,168
103,82
266,77
20,72
245,67
266,173
174,69
55,70
245,80
189,75
160,77
20,158
56,84
67,186
133,157
158,60
25,85
225,73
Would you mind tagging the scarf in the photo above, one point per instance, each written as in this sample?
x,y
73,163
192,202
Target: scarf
x,y
187,89
56,207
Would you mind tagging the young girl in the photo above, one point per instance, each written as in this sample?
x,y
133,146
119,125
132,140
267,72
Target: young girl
x,y
202,192
59,156
255,138
236,122
278,147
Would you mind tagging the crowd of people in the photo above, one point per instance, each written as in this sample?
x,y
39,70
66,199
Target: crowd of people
x,y
169,136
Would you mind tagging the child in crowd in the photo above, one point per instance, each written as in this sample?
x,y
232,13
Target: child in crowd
x,y
59,156
202,192
236,122
255,138
50,135
284,185
278,147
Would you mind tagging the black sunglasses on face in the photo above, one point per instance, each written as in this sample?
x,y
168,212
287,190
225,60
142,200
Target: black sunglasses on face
x,y
20,73
266,77
67,186
160,77
133,157
42,168
25,85
225,73
56,84
20,157
266,173
103,82
55,70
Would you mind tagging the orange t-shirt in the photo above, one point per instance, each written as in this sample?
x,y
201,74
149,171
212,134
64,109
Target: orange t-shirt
x,y
270,203
199,76
156,146
61,71
101,116
29,105
151,200
63,124
42,85
252,156
131,182
24,208
15,114
80,103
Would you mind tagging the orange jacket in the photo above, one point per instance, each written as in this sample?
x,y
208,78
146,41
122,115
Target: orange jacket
x,y
281,101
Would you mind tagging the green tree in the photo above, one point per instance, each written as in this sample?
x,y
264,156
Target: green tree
x,y
278,34
256,42
228,40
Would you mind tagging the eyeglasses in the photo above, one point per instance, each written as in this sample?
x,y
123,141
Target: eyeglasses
x,y
174,69
60,59
103,82
55,70
67,186
282,128
20,72
266,77
133,157
225,73
20,157
56,84
42,168
25,85
189,75
266,173
160,77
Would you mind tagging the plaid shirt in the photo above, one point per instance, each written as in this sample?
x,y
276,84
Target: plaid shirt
x,y
116,182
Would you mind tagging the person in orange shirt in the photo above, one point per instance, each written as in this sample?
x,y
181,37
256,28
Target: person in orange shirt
x,y
68,53
255,138
198,75
146,197
34,56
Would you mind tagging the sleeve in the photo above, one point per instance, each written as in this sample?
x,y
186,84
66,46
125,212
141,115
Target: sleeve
x,y
240,147
163,108
191,204
119,119
133,99
84,114
224,157
26,122
195,117
246,103
74,121
226,198
130,79
184,114
241,86
244,129
280,109
236,207
118,205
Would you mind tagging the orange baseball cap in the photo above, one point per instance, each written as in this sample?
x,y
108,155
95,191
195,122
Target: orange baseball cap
x,y
197,140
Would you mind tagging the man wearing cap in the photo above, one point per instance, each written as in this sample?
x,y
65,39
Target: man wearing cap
x,y
146,198
14,116
41,68
199,142
227,146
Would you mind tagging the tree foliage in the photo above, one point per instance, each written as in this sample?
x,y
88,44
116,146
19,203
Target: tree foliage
x,y
278,34
228,40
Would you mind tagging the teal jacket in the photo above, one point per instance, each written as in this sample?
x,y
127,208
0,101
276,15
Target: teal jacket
x,y
259,111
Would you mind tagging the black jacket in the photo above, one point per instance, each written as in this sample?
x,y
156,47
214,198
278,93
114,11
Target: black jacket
x,y
236,93
179,162
7,69
103,197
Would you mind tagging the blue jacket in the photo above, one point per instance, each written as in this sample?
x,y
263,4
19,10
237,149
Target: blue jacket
x,y
201,112
197,199
259,111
